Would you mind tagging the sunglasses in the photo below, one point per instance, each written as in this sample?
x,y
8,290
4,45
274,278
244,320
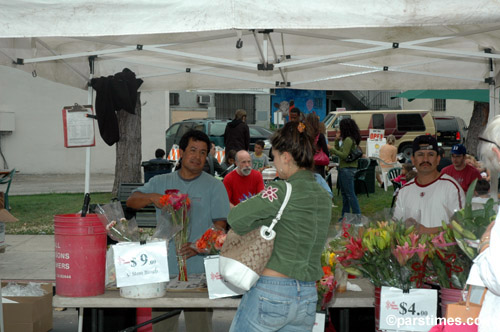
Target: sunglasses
x,y
487,140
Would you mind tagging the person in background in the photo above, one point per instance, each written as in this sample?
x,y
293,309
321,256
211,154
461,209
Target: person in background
x,y
295,115
212,165
209,207
244,182
460,170
404,171
259,160
159,155
431,197
312,122
388,154
485,271
285,296
228,163
351,137
445,161
481,195
471,160
237,133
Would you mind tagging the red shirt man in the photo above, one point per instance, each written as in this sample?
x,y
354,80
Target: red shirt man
x,y
459,169
244,182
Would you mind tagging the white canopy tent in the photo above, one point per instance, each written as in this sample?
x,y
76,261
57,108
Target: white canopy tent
x,y
196,44
326,45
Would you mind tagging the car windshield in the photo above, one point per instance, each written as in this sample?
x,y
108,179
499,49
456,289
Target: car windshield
x,y
446,124
260,132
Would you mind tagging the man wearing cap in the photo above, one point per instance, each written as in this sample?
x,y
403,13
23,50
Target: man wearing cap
x,y
459,169
430,197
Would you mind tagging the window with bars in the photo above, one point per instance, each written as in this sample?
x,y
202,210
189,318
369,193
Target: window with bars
x,y
439,105
174,99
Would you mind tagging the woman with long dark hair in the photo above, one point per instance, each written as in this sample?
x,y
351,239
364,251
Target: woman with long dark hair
x,y
350,137
284,298
320,143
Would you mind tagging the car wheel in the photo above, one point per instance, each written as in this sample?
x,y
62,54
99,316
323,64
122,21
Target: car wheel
x,y
407,151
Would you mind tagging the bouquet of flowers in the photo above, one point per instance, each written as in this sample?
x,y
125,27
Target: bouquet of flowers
x,y
469,225
327,284
388,254
210,243
449,265
178,205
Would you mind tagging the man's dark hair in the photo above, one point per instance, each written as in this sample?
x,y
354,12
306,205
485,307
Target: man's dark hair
x,y
195,135
260,143
159,153
441,152
482,187
295,110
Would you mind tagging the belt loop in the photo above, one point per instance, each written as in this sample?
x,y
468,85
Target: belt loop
x,y
298,285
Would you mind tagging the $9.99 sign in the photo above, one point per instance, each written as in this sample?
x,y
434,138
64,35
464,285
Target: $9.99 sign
x,y
139,264
413,311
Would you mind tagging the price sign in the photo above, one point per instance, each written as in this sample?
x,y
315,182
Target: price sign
x,y
139,264
413,311
376,134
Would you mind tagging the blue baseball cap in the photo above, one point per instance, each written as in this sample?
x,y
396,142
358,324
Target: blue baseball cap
x,y
458,149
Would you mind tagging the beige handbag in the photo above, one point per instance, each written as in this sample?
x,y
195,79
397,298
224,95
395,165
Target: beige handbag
x,y
465,310
243,258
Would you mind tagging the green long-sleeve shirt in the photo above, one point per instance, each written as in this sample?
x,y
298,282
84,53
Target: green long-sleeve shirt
x,y
344,151
300,234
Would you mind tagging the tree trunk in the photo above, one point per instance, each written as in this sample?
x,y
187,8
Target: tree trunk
x,y
478,121
128,148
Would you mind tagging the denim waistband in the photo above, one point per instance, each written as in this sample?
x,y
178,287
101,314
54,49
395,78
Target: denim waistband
x,y
285,281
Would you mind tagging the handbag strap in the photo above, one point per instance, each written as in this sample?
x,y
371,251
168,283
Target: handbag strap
x,y
267,232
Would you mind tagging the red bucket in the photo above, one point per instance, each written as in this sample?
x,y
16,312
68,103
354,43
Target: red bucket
x,y
80,250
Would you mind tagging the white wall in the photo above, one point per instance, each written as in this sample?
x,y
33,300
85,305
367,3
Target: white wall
x,y
36,146
460,108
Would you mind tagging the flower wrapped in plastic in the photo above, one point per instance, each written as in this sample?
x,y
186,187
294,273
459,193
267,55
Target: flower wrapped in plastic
x,y
210,243
117,226
450,266
468,224
177,205
387,253
327,284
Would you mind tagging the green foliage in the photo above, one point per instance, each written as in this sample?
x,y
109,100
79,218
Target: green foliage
x,y
36,212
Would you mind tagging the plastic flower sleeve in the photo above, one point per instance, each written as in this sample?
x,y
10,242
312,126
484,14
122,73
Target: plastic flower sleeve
x,y
118,228
210,243
165,227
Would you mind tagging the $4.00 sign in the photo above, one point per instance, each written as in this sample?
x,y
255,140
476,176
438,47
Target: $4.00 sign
x,y
139,264
413,311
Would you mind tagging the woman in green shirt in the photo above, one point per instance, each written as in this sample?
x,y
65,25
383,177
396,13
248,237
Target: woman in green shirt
x,y
284,298
349,132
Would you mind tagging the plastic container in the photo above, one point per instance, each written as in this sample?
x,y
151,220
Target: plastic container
x,y
146,291
449,295
80,254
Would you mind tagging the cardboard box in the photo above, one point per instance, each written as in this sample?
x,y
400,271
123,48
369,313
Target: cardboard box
x,y
30,313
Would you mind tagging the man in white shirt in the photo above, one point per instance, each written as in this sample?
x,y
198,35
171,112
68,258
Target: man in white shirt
x,y
431,197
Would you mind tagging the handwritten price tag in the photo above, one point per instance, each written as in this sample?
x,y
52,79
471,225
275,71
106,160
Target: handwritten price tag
x,y
139,264
415,311
376,134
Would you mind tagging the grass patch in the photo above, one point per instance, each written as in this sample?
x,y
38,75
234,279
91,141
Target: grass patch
x,y
36,212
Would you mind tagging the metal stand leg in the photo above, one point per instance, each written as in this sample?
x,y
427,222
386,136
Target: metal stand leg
x,y
344,320
153,320
80,320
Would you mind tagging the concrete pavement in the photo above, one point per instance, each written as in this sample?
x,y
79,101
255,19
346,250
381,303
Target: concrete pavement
x,y
31,257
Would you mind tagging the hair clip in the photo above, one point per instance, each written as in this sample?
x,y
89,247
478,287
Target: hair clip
x,y
301,127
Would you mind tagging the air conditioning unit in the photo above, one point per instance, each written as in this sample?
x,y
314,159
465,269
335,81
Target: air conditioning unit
x,y
204,99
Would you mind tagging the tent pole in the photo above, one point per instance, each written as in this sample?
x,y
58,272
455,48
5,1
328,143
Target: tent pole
x,y
493,111
87,149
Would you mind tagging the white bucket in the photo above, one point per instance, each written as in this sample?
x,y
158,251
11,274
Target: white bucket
x,y
147,291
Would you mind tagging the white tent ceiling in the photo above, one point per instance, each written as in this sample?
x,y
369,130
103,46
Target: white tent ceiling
x,y
322,44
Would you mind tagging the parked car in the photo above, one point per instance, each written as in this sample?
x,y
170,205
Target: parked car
x,y
405,125
214,128
450,130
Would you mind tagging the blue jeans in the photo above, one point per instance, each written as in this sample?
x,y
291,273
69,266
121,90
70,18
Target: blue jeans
x,y
346,183
277,304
